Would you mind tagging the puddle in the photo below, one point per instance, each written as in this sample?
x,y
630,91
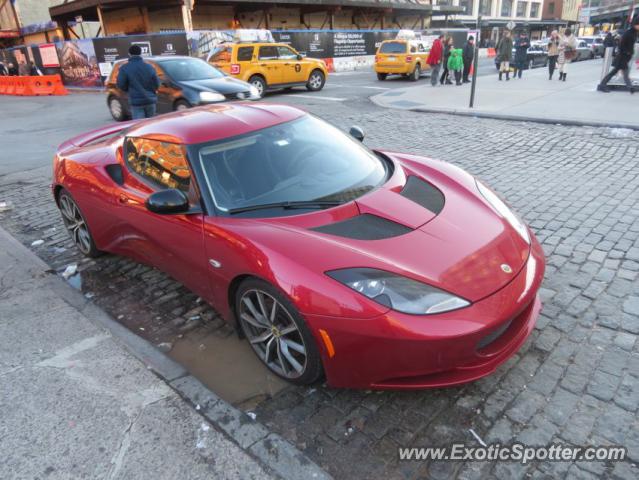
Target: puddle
x,y
228,367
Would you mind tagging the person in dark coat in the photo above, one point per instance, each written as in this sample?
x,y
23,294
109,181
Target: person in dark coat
x,y
140,81
609,41
13,70
468,56
435,59
625,53
448,45
522,43
505,54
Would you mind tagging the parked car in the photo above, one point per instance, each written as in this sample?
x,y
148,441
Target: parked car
x,y
401,57
595,44
377,269
269,65
584,52
184,82
536,56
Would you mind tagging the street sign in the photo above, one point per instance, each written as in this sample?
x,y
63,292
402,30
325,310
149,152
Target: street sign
x,y
511,25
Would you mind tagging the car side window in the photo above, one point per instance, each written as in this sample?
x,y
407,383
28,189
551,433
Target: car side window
x,y
286,53
162,164
268,53
245,54
223,54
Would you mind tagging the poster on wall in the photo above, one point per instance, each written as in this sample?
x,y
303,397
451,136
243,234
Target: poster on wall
x,y
109,50
311,44
202,42
78,63
49,55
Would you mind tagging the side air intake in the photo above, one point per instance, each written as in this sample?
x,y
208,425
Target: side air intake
x,y
424,194
364,227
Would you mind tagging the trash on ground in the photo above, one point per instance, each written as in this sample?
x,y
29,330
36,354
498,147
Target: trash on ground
x,y
37,243
5,206
89,295
165,347
253,415
477,437
71,270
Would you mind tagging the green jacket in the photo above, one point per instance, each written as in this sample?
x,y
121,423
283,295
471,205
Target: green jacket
x,y
455,61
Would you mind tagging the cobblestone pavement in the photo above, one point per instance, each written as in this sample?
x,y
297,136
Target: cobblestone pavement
x,y
576,380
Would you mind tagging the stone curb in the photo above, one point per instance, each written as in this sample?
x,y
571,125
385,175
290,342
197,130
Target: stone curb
x,y
272,450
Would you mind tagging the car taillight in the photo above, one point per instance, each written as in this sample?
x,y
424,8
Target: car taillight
x,y
235,69
409,59
376,58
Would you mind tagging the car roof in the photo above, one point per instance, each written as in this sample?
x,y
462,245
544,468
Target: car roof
x,y
214,122
158,58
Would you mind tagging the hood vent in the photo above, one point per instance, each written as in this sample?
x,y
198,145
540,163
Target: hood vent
x,y
424,194
364,227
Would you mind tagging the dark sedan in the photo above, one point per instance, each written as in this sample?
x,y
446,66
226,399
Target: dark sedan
x,y
537,56
184,82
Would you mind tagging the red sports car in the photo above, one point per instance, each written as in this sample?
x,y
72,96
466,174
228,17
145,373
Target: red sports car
x,y
376,269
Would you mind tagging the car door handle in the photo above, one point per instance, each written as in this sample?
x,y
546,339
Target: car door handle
x,y
123,198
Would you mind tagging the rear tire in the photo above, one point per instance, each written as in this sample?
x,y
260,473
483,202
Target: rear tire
x,y
382,76
77,225
277,334
258,82
416,73
116,108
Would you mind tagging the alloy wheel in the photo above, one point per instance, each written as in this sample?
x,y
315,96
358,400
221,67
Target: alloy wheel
x,y
116,108
259,86
273,334
75,224
315,81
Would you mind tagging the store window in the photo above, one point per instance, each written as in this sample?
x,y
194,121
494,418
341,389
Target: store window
x,y
485,7
506,8
467,5
521,9
551,8
534,10
162,164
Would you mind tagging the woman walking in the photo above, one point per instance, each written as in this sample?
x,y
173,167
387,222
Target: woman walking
x,y
521,54
505,54
448,45
553,52
567,52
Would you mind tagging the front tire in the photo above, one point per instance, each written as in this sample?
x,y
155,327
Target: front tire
x,y
77,225
181,105
316,81
258,82
116,108
416,73
381,76
277,332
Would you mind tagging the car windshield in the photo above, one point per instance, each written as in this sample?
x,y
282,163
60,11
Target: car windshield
x,y
393,47
185,69
305,160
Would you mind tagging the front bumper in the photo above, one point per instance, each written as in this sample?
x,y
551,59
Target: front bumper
x,y
400,351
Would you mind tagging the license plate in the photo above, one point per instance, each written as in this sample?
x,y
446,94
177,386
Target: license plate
x,y
391,59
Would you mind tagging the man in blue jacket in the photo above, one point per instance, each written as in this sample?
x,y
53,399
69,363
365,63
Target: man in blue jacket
x,y
140,81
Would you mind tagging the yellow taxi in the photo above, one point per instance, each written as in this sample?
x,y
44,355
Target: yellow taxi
x,y
269,65
401,56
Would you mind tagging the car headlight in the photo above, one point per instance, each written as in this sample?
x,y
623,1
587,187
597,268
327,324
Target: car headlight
x,y
503,210
254,91
397,292
211,97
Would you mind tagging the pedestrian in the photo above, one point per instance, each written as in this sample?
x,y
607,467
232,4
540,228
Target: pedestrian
x,y
448,45
33,70
13,71
625,52
505,54
553,52
567,52
435,59
521,54
456,64
468,56
609,41
139,80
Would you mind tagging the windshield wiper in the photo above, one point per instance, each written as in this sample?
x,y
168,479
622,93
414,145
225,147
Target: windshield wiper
x,y
287,205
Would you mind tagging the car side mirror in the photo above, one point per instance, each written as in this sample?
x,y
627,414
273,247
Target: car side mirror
x,y
357,133
300,56
166,202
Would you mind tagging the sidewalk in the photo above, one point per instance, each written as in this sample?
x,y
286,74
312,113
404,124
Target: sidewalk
x,y
533,98
77,403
